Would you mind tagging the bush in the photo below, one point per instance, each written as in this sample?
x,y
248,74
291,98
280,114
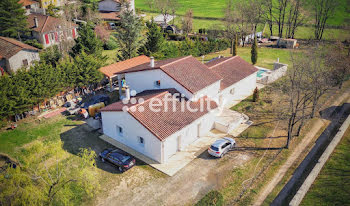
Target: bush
x,y
34,43
111,44
213,198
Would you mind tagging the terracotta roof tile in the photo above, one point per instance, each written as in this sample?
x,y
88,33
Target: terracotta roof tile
x,y
46,23
109,15
10,47
231,69
187,71
112,69
27,2
167,121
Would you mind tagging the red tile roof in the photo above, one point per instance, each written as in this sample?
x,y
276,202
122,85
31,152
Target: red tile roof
x,y
46,23
10,47
231,69
167,121
112,69
187,71
109,15
27,2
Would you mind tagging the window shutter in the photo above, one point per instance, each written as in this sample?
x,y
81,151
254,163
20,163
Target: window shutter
x,y
47,41
73,33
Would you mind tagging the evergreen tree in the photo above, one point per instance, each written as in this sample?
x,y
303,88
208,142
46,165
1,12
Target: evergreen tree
x,y
254,51
87,41
51,56
13,20
129,34
235,45
256,95
155,39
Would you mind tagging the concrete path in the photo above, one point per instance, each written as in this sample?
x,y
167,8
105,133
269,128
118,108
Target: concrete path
x,y
181,158
308,139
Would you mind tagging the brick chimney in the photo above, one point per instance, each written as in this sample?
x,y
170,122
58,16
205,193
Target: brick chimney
x,y
151,64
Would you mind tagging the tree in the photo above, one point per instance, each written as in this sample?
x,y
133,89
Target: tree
x,y
13,20
322,9
254,51
235,45
155,39
51,56
295,17
51,11
166,7
230,24
129,35
38,182
256,95
87,41
187,22
338,60
281,14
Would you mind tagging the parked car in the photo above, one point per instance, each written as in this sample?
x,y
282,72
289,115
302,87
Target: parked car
x,y
118,158
96,99
221,146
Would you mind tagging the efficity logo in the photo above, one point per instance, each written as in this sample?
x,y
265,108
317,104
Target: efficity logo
x,y
174,102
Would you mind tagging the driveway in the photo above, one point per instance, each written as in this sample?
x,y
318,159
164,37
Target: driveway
x,y
187,186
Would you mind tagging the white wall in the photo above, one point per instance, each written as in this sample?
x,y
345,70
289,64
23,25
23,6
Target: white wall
x,y
244,87
132,129
145,80
188,134
211,91
16,61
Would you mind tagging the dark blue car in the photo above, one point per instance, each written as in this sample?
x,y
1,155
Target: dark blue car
x,y
96,99
118,158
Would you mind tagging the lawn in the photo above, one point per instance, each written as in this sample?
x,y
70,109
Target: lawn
x,y
215,9
266,56
111,56
332,185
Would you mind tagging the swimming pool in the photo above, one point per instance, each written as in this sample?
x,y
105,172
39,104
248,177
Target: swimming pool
x,y
260,72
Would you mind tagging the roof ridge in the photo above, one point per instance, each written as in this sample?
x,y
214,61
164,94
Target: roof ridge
x,y
183,58
223,61
47,18
7,40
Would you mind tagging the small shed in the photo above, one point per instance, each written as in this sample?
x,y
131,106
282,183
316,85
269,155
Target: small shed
x,y
287,43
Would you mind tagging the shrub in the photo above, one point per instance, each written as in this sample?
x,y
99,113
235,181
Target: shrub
x,y
34,43
213,198
111,44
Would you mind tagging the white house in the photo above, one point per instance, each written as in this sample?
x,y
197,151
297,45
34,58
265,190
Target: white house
x,y
160,134
15,54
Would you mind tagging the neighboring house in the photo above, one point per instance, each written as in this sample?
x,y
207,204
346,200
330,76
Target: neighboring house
x,y
159,135
110,10
161,20
15,54
29,5
57,3
50,31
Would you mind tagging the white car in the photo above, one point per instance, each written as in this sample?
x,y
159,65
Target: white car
x,y
221,146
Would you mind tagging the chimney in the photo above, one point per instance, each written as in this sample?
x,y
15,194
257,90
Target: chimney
x,y
127,93
36,23
152,62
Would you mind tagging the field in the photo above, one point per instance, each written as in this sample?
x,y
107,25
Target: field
x,y
266,56
208,14
332,186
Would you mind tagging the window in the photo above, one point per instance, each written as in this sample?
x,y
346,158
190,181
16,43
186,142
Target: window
x,y
25,62
232,91
141,141
119,131
157,83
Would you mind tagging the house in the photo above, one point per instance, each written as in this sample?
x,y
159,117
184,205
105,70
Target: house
x,y
29,5
109,10
50,31
15,54
110,71
159,134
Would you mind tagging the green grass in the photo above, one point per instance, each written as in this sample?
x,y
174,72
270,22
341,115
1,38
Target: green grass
x,y
27,132
111,55
215,9
332,186
266,56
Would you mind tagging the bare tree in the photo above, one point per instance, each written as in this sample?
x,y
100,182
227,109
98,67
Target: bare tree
x,y
230,24
281,14
166,7
323,9
295,17
268,15
187,22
